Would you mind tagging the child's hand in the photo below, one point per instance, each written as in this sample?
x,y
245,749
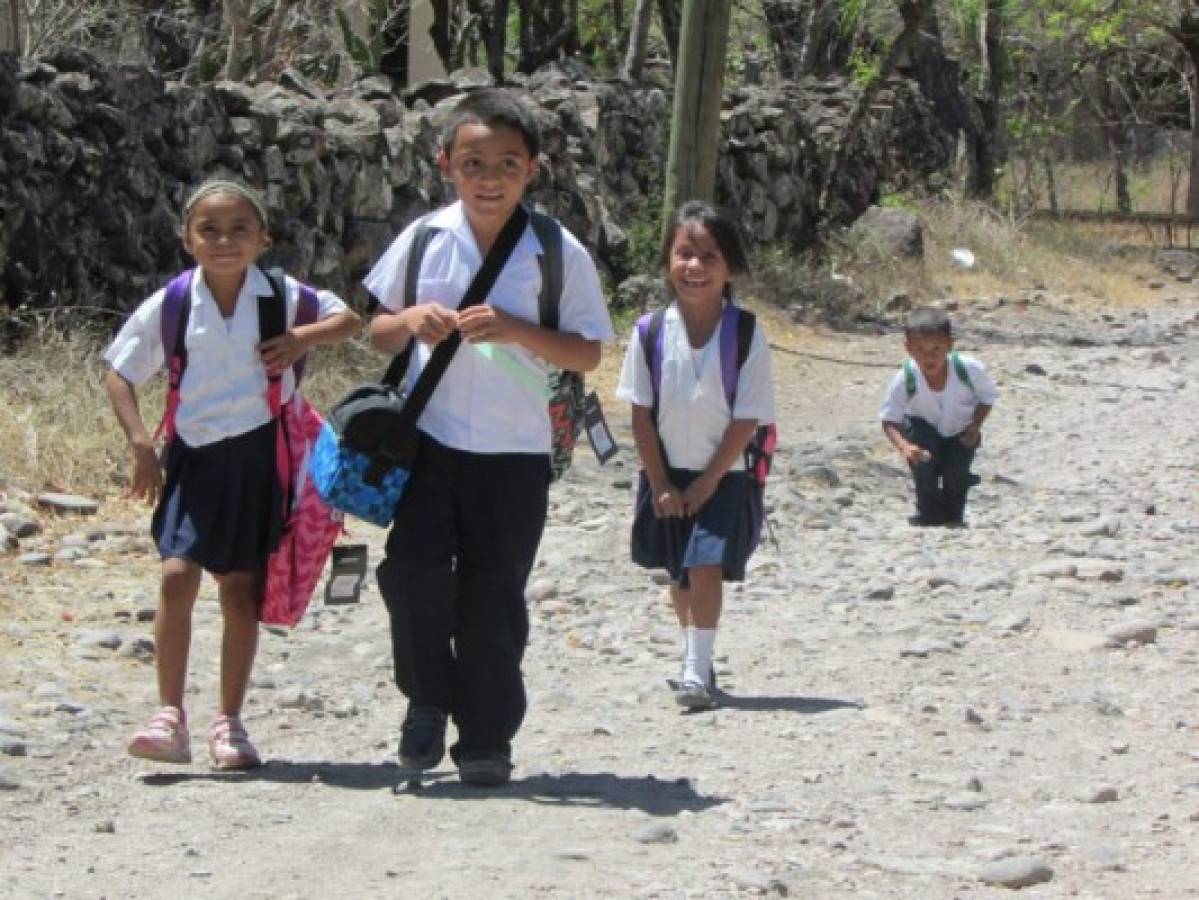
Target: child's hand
x,y
280,352
970,435
147,475
486,324
914,454
698,493
430,323
668,503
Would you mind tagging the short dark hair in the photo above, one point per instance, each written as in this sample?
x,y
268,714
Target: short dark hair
x,y
493,107
927,320
719,224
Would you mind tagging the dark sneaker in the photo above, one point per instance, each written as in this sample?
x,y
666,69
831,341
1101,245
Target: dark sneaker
x,y
694,695
485,770
422,737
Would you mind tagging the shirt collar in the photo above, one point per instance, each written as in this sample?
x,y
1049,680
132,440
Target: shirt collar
x,y
452,218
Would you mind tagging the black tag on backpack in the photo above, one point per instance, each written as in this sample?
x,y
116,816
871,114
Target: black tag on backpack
x,y
597,429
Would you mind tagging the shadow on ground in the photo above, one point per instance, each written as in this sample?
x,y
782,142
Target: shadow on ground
x,y
654,796
806,705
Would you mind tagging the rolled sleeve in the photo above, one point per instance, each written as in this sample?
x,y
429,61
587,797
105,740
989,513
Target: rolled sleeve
x,y
136,353
636,384
894,406
583,306
755,385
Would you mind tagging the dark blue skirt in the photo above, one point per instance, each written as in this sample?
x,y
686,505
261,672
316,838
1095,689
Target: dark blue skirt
x,y
222,504
725,533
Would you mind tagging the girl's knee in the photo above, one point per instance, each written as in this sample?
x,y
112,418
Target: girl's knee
x,y
238,593
180,582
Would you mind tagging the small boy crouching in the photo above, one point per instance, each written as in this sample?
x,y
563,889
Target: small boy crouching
x,y
933,414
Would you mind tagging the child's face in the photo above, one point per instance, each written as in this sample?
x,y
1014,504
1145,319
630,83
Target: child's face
x,y
697,269
929,351
224,234
490,167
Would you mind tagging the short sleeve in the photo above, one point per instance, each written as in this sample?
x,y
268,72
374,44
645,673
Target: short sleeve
x,y
894,405
636,384
328,303
582,309
385,281
985,391
755,385
136,353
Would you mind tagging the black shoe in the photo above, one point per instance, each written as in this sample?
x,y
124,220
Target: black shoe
x,y
485,770
924,522
422,737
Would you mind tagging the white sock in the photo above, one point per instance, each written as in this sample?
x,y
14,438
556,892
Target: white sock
x,y
698,663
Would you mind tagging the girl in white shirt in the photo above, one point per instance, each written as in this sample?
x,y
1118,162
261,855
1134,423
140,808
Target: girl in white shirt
x,y
695,508
220,507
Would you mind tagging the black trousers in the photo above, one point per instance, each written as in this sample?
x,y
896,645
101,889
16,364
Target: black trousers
x,y
943,482
458,557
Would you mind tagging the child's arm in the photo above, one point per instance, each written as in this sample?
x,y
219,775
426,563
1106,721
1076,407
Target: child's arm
x,y
911,453
428,322
563,349
668,503
732,445
972,433
147,475
280,352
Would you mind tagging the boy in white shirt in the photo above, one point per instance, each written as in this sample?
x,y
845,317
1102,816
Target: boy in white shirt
x,y
466,531
933,413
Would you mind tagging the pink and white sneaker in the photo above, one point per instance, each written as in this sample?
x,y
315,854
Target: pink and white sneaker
x,y
164,739
230,745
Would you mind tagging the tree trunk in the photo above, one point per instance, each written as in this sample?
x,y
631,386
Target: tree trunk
x,y
1050,181
913,13
1188,36
634,61
695,120
668,17
237,18
989,146
14,21
807,37
493,29
546,32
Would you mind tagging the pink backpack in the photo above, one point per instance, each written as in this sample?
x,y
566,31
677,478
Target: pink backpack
x,y
310,527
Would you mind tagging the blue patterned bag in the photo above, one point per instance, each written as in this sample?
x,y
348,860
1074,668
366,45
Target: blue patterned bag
x,y
366,449
340,475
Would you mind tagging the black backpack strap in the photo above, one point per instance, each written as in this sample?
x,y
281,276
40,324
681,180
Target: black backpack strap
x,y
421,239
549,234
272,310
745,335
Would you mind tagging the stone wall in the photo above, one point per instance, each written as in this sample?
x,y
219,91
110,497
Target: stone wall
x,y
95,162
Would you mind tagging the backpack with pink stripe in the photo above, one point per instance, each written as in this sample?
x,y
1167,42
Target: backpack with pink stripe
x,y
736,335
310,527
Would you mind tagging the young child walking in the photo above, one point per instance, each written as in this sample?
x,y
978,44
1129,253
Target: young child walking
x,y
696,504
219,509
466,531
933,414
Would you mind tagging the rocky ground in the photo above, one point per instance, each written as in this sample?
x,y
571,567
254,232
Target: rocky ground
x,y
908,713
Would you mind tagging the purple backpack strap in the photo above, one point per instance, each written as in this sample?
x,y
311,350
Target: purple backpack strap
x,y
176,295
306,313
650,333
176,304
730,367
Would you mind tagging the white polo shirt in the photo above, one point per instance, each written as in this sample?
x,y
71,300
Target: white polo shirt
x,y
693,410
480,405
948,410
223,392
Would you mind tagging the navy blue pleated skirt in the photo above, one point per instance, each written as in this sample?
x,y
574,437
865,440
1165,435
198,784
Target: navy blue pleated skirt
x,y
724,533
222,504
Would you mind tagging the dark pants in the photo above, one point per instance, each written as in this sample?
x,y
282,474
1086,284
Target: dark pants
x,y
943,481
458,556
